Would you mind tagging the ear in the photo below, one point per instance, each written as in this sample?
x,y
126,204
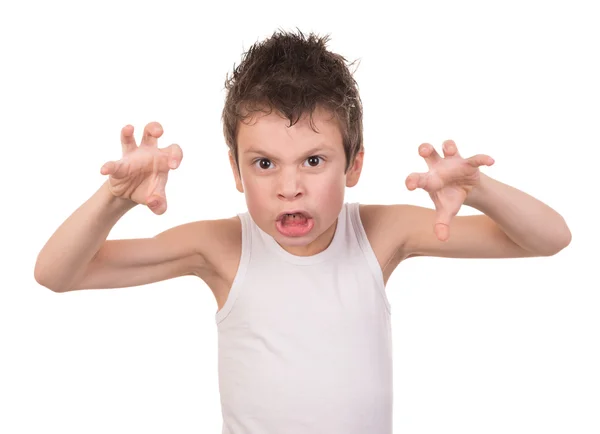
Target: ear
x,y
353,173
236,174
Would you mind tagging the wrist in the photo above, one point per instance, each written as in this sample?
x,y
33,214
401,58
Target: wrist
x,y
478,194
115,204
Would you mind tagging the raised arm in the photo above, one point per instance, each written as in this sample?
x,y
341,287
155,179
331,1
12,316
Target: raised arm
x,y
79,246
513,224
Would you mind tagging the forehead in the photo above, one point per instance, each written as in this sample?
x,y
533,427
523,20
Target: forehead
x,y
271,132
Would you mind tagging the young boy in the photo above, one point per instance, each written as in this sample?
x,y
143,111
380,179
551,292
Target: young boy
x,y
303,318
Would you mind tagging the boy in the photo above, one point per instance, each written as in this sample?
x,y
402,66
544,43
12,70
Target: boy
x,y
303,318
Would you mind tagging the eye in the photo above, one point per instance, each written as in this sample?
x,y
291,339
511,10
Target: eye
x,y
264,163
313,161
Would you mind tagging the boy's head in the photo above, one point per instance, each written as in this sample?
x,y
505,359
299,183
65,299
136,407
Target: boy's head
x,y
288,96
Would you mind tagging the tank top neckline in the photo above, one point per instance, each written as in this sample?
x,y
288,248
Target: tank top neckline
x,y
329,252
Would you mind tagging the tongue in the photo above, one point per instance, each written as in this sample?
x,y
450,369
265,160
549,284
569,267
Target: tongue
x,y
294,220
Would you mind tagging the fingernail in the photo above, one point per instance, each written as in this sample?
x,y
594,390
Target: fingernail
x,y
173,164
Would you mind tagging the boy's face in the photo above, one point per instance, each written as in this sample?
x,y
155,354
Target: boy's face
x,y
294,168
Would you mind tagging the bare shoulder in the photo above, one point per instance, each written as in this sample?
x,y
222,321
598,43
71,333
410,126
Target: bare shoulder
x,y
378,222
219,243
222,240
213,240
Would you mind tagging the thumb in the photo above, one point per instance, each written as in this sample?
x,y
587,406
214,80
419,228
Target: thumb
x,y
442,224
117,169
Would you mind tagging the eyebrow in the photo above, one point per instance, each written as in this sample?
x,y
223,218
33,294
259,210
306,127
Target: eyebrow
x,y
312,151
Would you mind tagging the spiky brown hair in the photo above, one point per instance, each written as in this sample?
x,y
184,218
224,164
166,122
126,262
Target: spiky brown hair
x,y
293,74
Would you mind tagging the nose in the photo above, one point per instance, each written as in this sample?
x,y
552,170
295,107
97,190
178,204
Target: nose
x,y
289,186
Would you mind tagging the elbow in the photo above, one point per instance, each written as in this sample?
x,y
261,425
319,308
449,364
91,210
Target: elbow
x,y
46,285
39,274
39,278
560,241
565,238
43,281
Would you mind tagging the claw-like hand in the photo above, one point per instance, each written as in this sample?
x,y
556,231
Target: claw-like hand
x,y
448,181
141,175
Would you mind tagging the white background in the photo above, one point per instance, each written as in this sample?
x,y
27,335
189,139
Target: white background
x,y
480,346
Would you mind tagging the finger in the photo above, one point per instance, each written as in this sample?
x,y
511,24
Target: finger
x,y
442,231
175,155
429,153
157,200
152,132
449,148
127,140
157,205
117,169
480,160
416,180
442,224
108,168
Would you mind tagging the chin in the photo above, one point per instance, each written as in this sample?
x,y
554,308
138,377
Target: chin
x,y
294,241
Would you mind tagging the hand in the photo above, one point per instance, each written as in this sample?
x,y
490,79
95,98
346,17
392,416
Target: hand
x,y
448,182
141,175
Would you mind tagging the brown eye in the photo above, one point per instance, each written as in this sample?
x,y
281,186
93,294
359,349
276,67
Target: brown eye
x,y
264,163
313,161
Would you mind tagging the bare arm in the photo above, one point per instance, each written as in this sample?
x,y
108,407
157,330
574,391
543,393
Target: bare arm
x,y
73,245
527,221
78,256
514,223
133,262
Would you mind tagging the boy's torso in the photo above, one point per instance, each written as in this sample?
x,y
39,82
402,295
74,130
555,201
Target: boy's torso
x,y
222,259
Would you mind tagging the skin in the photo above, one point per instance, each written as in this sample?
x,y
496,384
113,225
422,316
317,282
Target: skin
x,y
512,223
281,171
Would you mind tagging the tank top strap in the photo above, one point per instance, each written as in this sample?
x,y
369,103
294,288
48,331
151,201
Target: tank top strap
x,y
365,246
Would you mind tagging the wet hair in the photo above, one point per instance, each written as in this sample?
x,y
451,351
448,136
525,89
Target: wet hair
x,y
293,74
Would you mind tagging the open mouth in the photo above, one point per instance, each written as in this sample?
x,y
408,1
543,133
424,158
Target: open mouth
x,y
294,214
294,223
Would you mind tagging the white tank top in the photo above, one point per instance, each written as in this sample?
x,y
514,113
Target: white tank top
x,y
305,341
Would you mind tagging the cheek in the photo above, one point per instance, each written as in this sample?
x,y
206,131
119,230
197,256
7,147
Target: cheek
x,y
330,185
328,196
257,198
255,189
